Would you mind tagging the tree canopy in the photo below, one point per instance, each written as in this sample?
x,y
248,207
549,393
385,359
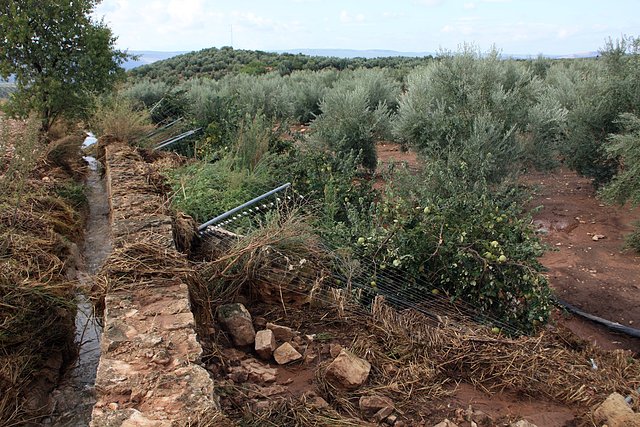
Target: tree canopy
x,y
58,55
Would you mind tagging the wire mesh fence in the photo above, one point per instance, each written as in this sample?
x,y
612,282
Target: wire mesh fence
x,y
357,275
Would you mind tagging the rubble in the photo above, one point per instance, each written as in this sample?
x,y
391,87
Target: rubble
x,y
348,370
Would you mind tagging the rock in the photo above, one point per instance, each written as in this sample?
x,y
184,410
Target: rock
x,y
615,412
370,405
254,371
265,344
391,420
237,321
522,423
348,371
259,322
313,401
310,357
282,333
597,237
446,423
382,414
286,354
334,350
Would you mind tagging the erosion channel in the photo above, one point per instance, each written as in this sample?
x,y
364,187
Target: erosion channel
x,y
75,397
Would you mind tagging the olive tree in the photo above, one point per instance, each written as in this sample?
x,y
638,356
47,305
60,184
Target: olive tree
x,y
58,55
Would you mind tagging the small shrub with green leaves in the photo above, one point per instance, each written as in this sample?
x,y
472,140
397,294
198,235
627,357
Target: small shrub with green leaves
x,y
624,148
464,241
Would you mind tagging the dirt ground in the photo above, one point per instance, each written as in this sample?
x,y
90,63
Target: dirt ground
x,y
588,271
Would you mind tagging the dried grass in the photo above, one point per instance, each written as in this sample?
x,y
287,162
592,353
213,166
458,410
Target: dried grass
x,y
548,365
283,263
296,413
36,232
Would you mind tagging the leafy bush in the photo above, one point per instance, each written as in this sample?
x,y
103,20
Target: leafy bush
x,y
147,92
602,90
480,109
624,148
348,123
467,242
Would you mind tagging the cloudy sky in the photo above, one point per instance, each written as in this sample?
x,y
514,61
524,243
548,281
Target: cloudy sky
x,y
514,26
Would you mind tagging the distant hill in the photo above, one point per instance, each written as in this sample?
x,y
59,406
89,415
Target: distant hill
x,y
354,53
146,57
216,63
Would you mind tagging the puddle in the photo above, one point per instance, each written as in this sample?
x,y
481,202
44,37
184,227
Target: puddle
x,y
75,397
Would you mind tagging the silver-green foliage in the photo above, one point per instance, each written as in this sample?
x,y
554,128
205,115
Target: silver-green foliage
x,y
488,112
349,123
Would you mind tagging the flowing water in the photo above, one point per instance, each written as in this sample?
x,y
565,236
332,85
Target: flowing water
x,y
75,397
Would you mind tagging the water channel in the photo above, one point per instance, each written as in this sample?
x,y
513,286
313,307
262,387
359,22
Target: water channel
x,y
74,398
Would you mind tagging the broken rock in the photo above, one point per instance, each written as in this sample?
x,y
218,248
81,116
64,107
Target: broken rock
x,y
348,371
282,333
615,412
522,423
286,354
446,423
265,344
370,405
237,321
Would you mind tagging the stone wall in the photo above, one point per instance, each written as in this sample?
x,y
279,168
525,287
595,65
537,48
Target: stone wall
x,y
149,372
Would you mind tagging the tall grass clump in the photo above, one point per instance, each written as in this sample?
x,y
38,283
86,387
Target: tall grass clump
x,y
120,117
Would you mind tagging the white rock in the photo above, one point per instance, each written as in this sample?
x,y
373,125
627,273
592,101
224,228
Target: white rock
x,y
348,370
265,344
286,354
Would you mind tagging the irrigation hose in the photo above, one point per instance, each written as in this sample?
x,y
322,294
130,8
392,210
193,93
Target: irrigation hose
x,y
614,326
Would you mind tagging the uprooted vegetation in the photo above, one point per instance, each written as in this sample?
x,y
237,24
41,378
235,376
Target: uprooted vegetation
x,y
40,220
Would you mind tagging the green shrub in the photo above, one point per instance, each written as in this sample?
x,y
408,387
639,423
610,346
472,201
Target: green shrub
x,y
348,123
624,149
480,109
147,92
467,242
602,90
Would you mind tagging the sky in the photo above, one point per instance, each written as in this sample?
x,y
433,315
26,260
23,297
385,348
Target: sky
x,y
552,27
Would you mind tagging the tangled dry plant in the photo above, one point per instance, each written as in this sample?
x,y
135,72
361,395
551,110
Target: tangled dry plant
x,y
550,364
281,262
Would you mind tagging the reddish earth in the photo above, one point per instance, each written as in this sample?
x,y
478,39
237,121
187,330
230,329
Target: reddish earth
x,y
596,276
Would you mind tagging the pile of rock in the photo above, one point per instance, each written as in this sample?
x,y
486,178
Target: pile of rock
x,y
282,345
274,342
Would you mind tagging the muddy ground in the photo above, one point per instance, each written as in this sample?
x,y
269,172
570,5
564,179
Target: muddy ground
x,y
591,272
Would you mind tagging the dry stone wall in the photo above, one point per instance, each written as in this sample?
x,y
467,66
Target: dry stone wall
x,y
149,372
